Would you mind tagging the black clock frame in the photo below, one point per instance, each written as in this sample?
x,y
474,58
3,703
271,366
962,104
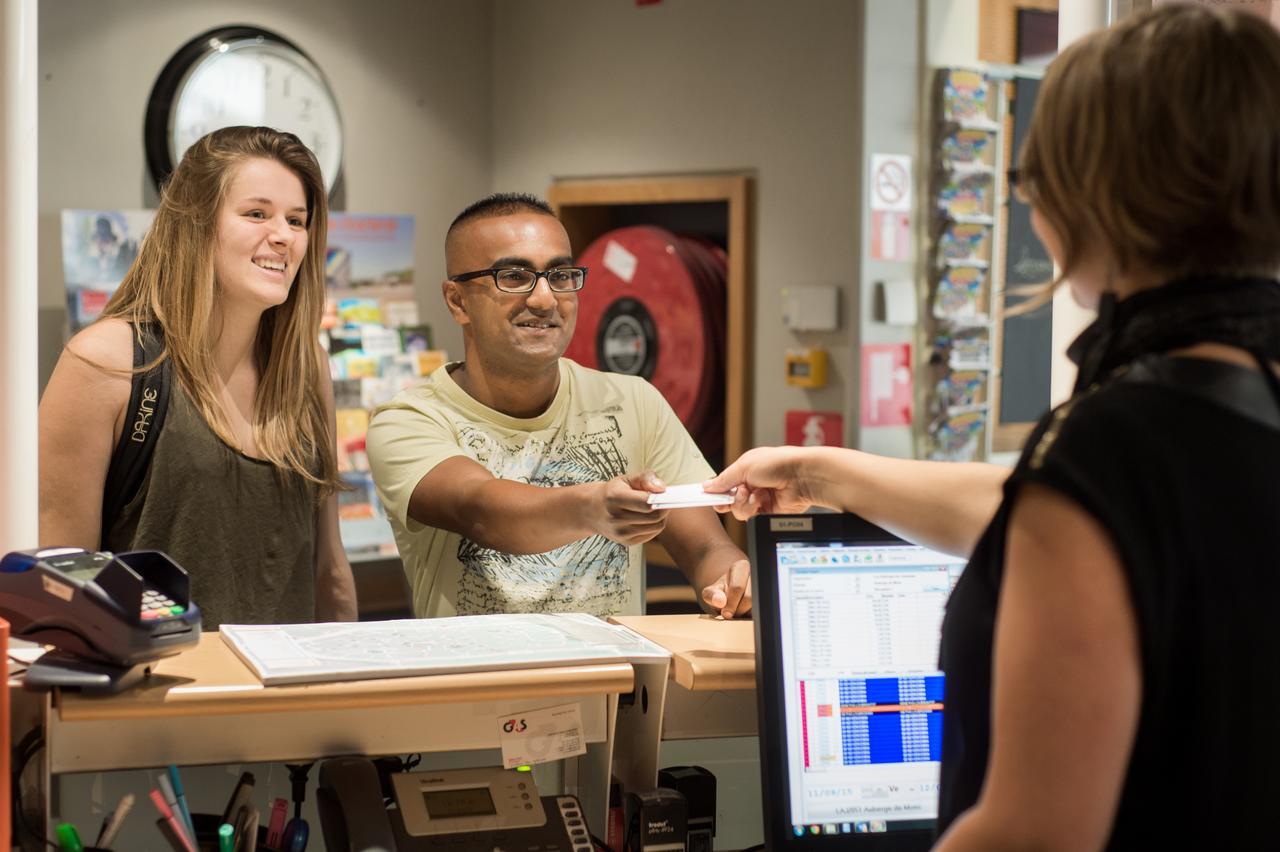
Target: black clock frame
x,y
155,128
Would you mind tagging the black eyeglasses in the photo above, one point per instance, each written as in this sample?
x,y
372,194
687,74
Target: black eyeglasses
x,y
517,279
1017,184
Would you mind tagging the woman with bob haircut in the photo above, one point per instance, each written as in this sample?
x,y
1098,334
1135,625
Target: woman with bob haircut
x,y
1109,651
241,489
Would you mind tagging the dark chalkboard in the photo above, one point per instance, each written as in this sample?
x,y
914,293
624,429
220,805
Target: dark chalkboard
x,y
1026,339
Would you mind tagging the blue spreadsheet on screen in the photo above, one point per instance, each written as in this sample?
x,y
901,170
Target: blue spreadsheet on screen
x,y
849,620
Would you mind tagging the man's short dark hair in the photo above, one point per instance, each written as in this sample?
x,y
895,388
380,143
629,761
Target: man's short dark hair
x,y
502,204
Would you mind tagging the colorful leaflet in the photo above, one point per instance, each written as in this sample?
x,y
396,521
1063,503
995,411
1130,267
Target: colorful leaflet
x,y
964,95
959,292
964,241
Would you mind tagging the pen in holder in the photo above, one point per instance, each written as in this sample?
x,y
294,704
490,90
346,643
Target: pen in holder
x,y
207,826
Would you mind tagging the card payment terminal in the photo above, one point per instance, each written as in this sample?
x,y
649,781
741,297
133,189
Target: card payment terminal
x,y
108,614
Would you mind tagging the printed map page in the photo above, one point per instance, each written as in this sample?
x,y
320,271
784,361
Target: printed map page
x,y
311,653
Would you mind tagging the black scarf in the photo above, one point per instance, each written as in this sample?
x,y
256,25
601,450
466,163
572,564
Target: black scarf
x,y
1242,312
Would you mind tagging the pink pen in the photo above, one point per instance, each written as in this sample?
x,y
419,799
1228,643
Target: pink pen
x,y
157,798
275,829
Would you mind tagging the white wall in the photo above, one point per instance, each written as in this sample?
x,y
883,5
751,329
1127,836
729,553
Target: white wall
x,y
951,33
606,87
413,81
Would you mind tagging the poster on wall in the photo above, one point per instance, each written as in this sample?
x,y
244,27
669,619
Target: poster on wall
x,y
369,267
98,246
886,384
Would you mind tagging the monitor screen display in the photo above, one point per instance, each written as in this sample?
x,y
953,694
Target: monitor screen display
x,y
859,627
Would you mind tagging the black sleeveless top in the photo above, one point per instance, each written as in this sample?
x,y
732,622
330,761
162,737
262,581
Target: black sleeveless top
x,y
1188,488
242,528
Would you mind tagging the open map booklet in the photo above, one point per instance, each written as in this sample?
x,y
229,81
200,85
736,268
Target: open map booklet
x,y
313,653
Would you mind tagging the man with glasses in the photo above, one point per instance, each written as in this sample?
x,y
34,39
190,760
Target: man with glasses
x,y
517,480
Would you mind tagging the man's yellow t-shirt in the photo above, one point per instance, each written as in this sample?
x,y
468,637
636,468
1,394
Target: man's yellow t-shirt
x,y
600,425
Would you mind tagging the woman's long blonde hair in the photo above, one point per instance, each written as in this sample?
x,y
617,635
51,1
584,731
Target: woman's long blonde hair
x,y
1160,138
171,283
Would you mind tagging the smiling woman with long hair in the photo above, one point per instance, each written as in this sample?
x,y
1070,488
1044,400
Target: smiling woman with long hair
x,y
241,489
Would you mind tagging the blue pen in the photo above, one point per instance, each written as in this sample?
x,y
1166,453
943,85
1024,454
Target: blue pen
x,y
176,780
296,835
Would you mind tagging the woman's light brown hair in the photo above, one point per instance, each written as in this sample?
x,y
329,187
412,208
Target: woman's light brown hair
x,y
172,283
1160,138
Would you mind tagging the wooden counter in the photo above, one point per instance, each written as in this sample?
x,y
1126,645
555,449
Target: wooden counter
x,y
204,706
706,652
210,680
713,671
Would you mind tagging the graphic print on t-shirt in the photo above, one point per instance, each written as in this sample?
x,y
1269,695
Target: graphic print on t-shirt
x,y
583,576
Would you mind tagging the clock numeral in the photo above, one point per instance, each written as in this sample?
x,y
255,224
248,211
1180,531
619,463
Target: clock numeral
x,y
217,89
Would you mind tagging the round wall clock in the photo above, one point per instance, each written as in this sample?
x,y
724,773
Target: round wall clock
x,y
241,75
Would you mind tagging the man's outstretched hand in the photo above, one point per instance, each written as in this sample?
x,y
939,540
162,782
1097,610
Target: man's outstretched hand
x,y
623,511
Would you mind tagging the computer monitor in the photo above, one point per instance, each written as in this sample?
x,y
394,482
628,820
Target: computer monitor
x,y
847,620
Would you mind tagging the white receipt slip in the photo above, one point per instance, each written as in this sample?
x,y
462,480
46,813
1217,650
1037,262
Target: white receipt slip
x,y
685,496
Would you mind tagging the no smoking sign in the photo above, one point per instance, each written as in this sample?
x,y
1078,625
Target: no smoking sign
x,y
890,237
891,182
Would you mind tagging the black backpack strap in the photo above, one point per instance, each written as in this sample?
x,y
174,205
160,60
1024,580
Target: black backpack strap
x,y
148,401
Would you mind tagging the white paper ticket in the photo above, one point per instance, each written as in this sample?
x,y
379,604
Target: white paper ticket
x,y
683,496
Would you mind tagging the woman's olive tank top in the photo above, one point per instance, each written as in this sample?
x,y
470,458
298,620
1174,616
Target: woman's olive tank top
x,y
243,529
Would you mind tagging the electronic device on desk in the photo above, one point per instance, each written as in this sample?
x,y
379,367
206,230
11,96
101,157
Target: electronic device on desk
x,y
459,810
698,786
656,821
848,619
107,615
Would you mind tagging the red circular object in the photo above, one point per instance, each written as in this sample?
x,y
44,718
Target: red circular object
x,y
651,306
711,264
